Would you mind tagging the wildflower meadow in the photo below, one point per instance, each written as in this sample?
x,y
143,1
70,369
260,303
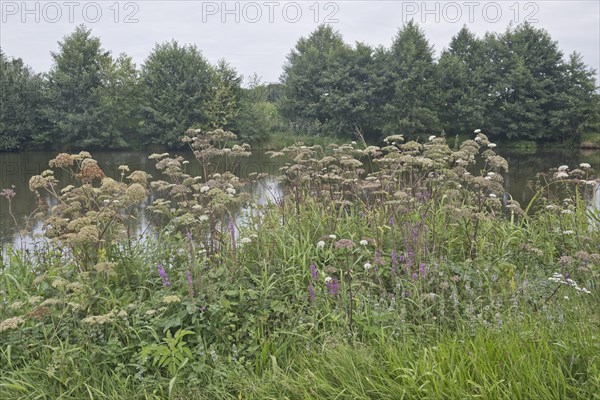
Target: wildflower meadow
x,y
397,271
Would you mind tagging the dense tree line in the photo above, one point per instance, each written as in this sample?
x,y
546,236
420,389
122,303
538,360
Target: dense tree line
x,y
514,85
90,99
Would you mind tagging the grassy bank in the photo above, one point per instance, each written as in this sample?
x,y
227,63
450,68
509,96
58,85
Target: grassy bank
x,y
527,358
417,280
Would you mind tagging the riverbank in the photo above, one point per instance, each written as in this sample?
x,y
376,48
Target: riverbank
x,y
414,280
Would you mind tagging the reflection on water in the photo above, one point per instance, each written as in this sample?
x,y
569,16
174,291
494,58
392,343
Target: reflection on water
x,y
17,168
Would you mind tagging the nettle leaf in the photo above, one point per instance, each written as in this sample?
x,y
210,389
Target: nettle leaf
x,y
172,323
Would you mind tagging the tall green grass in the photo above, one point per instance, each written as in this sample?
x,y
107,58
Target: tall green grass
x,y
469,311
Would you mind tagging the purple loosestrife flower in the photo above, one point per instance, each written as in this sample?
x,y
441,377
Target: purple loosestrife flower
x,y
190,283
232,239
409,262
333,286
311,292
415,276
232,232
163,275
391,221
313,271
394,262
422,270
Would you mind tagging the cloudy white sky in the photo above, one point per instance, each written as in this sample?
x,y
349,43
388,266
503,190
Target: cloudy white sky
x,y
256,36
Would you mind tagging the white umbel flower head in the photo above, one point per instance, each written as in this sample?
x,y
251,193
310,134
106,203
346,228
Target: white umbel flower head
x,y
585,165
431,137
477,131
363,242
320,244
563,168
492,145
561,175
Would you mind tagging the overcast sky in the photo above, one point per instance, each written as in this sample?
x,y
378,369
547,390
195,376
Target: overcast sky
x,y
255,37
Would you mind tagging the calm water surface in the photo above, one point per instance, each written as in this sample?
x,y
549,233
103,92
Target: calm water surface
x,y
17,168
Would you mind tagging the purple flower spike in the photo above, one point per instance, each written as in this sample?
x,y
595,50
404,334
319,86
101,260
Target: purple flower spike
x,y
163,275
190,283
311,292
333,287
313,271
415,276
422,270
232,239
232,232
394,262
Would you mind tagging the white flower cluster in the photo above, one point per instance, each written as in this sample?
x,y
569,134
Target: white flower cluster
x,y
559,278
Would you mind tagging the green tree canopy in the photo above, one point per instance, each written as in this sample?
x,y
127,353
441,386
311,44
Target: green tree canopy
x,y
578,101
410,90
77,83
326,83
121,101
177,86
463,90
525,68
21,95
224,104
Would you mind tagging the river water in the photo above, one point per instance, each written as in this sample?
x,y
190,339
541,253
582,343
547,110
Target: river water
x,y
17,168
